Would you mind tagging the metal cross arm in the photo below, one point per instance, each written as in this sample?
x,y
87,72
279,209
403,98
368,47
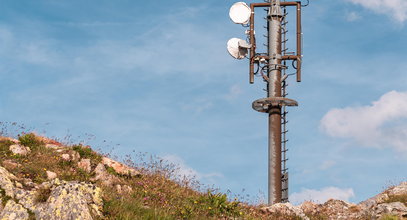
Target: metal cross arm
x,y
254,57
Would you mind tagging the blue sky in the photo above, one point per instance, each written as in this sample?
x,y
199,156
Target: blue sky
x,y
156,77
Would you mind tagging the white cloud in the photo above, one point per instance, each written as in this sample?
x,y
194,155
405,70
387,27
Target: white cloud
x,y
185,170
397,9
321,196
381,124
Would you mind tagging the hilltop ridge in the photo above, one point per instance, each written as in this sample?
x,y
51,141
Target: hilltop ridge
x,y
41,178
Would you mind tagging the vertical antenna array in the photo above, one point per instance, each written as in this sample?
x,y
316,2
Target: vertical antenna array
x,y
272,67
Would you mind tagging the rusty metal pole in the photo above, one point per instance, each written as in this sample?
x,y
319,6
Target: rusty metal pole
x,y
274,90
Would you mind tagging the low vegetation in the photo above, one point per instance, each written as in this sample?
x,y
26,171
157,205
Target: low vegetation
x,y
397,198
155,194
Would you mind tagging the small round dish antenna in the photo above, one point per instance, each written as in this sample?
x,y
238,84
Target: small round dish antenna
x,y
240,13
238,48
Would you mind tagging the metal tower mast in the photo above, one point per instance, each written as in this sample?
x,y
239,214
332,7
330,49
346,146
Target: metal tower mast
x,y
274,90
271,66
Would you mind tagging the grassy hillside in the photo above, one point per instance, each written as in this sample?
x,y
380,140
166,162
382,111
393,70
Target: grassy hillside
x,y
156,193
149,188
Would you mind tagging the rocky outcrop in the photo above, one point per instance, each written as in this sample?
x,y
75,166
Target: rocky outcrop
x,y
63,199
71,200
119,167
19,149
7,182
36,192
14,211
374,208
285,210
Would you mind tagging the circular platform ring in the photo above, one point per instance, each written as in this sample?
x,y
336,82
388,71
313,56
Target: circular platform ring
x,y
264,104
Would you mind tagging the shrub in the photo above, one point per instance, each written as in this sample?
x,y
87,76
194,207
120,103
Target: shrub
x,y
31,141
5,146
397,198
87,152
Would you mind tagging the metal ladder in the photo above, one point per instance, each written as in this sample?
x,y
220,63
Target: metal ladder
x,y
284,112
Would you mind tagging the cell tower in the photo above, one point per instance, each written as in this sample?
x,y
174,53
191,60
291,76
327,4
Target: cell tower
x,y
272,67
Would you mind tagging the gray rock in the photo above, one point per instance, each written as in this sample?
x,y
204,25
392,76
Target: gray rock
x,y
14,211
26,198
119,167
71,200
285,209
7,182
66,157
394,208
11,164
102,175
85,164
19,149
51,175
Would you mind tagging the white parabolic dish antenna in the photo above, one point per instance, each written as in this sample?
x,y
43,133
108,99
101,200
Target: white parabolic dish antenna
x,y
238,48
240,13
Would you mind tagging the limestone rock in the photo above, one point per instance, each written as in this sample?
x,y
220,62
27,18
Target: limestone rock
x,y
310,208
394,208
284,210
119,167
85,164
69,156
26,198
51,175
10,164
382,197
6,182
71,200
397,190
75,156
19,149
125,189
14,211
66,157
337,209
102,175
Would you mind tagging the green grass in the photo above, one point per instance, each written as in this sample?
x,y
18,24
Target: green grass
x,y
4,197
88,153
397,198
31,141
155,194
389,217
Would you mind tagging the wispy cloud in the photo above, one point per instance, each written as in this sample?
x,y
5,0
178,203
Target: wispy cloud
x,y
186,171
397,9
322,195
381,124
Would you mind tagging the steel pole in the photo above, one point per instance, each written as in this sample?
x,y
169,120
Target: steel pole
x,y
274,90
